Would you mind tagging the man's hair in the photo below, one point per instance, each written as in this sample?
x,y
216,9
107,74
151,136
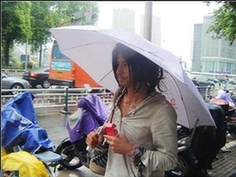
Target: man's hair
x,y
142,70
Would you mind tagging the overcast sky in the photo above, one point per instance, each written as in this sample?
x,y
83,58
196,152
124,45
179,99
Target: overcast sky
x,y
177,21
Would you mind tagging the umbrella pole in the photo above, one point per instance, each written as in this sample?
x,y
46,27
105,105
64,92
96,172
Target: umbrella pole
x,y
192,133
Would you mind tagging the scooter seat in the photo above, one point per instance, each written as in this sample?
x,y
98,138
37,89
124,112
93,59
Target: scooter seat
x,y
48,156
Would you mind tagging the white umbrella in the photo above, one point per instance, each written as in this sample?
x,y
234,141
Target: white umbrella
x,y
91,48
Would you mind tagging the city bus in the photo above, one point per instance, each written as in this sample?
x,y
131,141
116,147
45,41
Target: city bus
x,y
65,72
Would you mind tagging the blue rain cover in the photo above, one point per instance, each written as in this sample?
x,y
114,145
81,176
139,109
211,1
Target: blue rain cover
x,y
20,127
94,114
23,103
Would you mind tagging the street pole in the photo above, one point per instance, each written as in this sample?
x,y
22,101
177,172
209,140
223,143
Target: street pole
x,y
148,21
26,53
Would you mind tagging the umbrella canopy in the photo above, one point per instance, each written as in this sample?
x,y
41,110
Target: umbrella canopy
x,y
91,48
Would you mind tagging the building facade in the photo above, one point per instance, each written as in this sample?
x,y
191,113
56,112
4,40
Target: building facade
x,y
156,29
212,55
123,18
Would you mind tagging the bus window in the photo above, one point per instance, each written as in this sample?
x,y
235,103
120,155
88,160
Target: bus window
x,y
63,71
56,52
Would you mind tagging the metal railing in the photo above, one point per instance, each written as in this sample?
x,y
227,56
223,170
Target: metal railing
x,y
54,100
13,72
56,97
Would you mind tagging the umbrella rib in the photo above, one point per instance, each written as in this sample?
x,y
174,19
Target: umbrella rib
x,y
105,75
82,45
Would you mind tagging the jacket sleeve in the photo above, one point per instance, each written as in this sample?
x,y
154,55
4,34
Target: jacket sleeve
x,y
163,156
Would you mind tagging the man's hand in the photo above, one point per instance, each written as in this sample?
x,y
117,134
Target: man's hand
x,y
93,138
119,144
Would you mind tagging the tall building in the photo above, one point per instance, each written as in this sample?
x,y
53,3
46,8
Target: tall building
x,y
123,18
156,29
212,55
197,41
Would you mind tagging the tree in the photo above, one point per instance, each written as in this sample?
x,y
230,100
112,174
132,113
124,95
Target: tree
x,y
52,14
224,21
32,20
15,25
41,20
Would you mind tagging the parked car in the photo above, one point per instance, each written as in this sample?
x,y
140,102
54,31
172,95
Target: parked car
x,y
201,81
212,79
222,79
232,80
13,83
38,76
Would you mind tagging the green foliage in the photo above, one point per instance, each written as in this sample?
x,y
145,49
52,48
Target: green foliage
x,y
16,21
31,21
15,25
77,9
42,19
224,23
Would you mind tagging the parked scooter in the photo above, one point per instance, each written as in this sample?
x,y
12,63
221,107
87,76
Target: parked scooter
x,y
92,113
227,102
21,132
199,147
186,158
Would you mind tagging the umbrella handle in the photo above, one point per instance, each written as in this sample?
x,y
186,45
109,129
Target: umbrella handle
x,y
192,133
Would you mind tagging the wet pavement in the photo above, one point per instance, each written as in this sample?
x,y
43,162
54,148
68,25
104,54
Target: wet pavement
x,y
223,166
225,163
54,124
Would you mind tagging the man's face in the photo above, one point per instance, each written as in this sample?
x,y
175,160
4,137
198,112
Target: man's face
x,y
122,71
